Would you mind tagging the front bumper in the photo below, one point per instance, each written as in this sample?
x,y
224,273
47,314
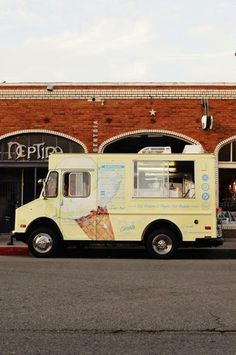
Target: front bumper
x,y
22,237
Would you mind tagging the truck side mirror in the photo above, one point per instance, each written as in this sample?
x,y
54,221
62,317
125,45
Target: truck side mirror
x,y
41,181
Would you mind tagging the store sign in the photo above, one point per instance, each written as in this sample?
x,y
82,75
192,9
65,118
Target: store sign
x,y
39,151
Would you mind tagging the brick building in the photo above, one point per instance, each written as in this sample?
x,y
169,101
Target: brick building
x,y
37,119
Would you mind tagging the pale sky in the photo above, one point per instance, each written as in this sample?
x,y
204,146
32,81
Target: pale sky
x,y
118,40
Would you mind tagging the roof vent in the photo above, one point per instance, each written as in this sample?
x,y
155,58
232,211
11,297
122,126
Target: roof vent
x,y
155,150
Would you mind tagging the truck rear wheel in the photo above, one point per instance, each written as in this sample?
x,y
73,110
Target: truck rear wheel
x,y
161,243
44,243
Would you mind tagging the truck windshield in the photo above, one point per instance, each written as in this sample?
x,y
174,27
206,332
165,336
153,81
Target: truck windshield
x,y
51,185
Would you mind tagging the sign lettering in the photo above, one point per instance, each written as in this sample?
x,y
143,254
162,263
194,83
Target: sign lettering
x,y
37,151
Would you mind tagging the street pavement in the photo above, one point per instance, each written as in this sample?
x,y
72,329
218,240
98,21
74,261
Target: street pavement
x,y
119,302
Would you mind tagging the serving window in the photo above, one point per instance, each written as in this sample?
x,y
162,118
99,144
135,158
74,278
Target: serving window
x,y
164,179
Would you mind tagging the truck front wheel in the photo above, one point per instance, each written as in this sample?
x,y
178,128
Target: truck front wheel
x,y
161,243
43,243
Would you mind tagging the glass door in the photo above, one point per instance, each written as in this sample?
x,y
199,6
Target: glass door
x,y
10,197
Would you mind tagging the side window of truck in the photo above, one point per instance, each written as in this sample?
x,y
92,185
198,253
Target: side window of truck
x,y
164,179
51,186
77,184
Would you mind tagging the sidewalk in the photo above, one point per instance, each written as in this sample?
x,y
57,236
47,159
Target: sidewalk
x,y
18,248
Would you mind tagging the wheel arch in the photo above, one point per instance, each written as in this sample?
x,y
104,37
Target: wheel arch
x,y
162,223
45,223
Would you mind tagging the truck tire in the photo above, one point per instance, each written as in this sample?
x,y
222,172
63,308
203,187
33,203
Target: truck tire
x,y
161,243
44,243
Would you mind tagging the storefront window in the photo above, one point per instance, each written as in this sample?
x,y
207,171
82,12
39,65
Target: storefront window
x,y
234,151
227,184
227,195
224,153
228,152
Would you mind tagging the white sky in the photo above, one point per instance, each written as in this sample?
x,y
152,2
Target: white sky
x,y
118,40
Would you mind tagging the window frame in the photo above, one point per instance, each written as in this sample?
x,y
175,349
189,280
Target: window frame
x,y
76,172
230,145
45,194
166,180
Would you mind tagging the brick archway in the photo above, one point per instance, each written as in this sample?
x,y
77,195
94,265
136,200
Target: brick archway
x,y
44,131
172,134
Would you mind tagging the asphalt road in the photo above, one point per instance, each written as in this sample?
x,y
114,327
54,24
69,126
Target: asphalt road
x,y
119,302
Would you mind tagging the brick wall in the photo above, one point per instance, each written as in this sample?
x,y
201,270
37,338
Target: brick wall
x,y
118,108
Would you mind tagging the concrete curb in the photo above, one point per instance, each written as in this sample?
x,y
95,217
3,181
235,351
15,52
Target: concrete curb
x,y
14,250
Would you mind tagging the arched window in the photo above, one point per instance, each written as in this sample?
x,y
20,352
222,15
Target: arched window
x,y
228,152
35,147
134,141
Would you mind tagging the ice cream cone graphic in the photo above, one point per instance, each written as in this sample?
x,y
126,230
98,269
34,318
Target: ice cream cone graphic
x,y
88,224
103,225
97,225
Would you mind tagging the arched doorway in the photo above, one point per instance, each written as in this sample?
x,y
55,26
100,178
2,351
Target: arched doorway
x,y
133,142
226,152
23,161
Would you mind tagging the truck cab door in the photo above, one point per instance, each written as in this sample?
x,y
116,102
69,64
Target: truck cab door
x,y
78,205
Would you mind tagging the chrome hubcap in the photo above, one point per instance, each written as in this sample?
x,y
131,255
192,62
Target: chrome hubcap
x,y
162,244
42,243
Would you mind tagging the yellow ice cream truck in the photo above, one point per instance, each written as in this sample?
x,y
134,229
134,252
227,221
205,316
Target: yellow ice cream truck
x,y
164,201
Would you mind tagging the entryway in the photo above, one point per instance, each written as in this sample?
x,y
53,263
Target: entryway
x,y
18,186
